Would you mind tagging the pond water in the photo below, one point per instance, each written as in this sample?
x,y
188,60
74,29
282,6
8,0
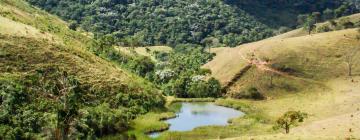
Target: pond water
x,y
192,115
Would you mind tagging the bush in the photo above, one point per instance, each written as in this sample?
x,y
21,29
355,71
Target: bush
x,y
250,93
102,120
323,28
73,25
255,94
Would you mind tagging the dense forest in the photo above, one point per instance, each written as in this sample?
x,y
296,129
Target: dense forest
x,y
166,22
161,21
177,73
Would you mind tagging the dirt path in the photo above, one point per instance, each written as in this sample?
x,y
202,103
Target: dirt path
x,y
264,66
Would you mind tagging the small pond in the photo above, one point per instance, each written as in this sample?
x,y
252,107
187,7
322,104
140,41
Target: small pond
x,y
192,115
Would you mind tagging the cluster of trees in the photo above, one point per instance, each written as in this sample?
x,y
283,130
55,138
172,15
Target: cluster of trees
x,y
158,22
178,73
104,47
52,104
283,13
308,21
181,75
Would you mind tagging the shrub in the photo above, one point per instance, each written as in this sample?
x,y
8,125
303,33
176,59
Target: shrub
x,y
290,118
250,93
323,28
255,94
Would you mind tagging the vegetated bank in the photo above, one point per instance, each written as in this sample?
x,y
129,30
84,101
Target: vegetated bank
x,y
52,87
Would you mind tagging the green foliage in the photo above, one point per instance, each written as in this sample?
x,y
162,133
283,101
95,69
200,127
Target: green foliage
x,y
214,89
141,65
73,25
328,14
143,23
333,25
289,119
161,56
101,120
182,75
104,47
52,104
277,13
17,123
309,24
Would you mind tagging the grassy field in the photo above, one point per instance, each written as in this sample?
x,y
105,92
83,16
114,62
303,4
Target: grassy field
x,y
145,51
312,59
332,113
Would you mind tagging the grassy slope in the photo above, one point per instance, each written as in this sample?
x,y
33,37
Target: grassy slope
x,y
300,32
332,113
319,58
314,57
31,39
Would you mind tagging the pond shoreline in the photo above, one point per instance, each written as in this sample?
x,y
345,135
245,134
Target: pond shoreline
x,y
155,122
170,101
163,128
193,110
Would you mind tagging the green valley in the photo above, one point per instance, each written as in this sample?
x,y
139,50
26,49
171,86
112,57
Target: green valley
x,y
179,70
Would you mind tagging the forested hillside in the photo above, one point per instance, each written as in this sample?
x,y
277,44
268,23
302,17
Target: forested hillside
x,y
53,87
159,22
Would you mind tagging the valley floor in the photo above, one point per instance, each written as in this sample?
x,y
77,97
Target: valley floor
x,y
333,113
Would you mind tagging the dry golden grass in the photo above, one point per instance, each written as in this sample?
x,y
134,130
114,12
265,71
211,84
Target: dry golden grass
x,y
316,54
332,112
10,27
322,89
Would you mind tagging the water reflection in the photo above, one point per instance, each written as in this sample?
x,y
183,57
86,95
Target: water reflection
x,y
192,115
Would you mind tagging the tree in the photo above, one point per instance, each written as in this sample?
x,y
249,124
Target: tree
x,y
309,24
351,58
290,118
73,25
210,42
328,14
301,19
342,10
103,44
214,88
317,16
198,89
67,88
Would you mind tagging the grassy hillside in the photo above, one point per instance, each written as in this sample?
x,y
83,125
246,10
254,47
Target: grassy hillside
x,y
300,72
288,62
39,55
